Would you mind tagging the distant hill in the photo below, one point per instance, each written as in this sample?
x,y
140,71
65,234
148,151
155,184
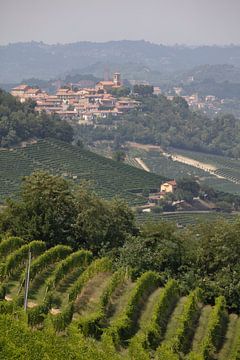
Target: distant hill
x,y
108,178
36,59
219,73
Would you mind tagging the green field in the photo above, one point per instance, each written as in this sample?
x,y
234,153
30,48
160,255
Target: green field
x,y
185,218
106,177
144,318
160,164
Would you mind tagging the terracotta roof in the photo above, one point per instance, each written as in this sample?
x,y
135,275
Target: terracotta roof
x,y
21,87
106,83
172,182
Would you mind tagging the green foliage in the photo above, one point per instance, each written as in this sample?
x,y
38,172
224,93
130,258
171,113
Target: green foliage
x,y
20,122
235,350
124,325
17,259
171,123
19,342
51,256
215,330
81,258
62,320
158,247
102,226
92,324
36,315
119,156
45,210
212,253
99,265
2,291
118,92
143,90
10,244
152,333
49,210
162,310
180,341
166,353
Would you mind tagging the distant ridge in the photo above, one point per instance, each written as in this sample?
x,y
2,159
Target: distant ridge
x,y
43,61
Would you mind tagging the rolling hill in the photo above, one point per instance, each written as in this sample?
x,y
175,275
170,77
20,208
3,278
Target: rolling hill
x,y
106,177
147,318
44,61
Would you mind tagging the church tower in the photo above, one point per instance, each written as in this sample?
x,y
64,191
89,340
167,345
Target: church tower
x,y
117,79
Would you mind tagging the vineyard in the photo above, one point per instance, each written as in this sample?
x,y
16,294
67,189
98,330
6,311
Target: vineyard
x,y
106,177
185,218
229,168
145,318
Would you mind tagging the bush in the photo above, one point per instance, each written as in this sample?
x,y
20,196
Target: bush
x,y
123,327
99,265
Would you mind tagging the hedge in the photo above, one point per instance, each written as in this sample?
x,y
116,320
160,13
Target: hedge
x,y
97,266
62,320
16,259
153,332
9,245
191,310
123,327
215,330
92,324
81,258
49,257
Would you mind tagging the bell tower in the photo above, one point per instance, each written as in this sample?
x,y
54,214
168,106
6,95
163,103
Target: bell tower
x,y
117,79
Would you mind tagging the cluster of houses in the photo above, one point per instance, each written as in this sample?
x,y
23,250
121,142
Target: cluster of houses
x,y
79,103
208,103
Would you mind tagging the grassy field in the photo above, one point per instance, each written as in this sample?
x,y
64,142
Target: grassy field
x,y
95,317
106,177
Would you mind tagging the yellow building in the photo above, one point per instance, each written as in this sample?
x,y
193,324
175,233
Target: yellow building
x,y
168,187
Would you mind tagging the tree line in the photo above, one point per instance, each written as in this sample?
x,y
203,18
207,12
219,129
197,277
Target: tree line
x,y
20,122
169,123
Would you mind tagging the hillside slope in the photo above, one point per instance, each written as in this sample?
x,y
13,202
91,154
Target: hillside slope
x,y
107,177
36,59
142,319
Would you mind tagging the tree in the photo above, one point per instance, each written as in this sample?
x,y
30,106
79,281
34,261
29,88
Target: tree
x,y
189,185
45,211
119,156
157,248
102,225
143,90
212,252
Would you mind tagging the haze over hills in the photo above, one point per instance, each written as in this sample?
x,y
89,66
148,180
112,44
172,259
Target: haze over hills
x,y
36,59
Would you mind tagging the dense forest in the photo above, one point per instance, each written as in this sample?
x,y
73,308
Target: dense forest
x,y
169,123
20,122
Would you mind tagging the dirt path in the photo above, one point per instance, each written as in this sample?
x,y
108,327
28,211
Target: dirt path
x,y
147,147
186,160
142,164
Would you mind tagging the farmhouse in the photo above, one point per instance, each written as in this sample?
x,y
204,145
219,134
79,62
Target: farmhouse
x,y
168,187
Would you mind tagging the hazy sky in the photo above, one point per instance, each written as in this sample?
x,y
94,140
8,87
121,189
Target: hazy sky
x,y
161,21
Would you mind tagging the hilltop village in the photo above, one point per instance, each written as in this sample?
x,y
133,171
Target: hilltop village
x,y
75,102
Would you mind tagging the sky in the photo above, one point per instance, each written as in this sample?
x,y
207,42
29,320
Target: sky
x,y
190,22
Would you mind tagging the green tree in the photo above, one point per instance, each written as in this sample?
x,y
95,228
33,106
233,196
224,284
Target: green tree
x,y
102,225
157,248
46,210
119,156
